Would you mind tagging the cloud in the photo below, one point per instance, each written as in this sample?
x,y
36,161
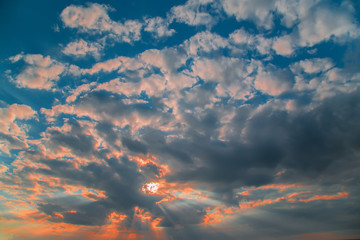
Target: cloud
x,y
283,46
231,74
231,133
205,42
40,73
9,142
82,48
193,13
159,27
12,113
240,38
94,18
3,169
258,11
273,81
319,25
315,20
311,66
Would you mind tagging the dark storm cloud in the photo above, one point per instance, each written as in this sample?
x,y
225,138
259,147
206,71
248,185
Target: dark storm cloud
x,y
306,141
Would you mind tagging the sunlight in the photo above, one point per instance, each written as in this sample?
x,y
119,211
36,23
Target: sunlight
x,y
150,188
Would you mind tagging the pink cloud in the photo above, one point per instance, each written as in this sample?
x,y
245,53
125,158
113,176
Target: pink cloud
x,y
158,26
3,169
94,17
326,197
82,48
189,13
283,46
41,72
272,82
10,114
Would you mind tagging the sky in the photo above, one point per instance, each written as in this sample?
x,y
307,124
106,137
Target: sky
x,y
198,119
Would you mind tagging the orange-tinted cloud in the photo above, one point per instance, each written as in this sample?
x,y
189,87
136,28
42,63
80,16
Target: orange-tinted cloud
x,y
218,214
326,197
281,187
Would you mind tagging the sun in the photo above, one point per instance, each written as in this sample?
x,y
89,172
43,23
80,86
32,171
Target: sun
x,y
150,188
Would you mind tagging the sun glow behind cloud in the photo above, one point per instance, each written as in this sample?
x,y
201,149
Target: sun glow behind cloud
x,y
151,188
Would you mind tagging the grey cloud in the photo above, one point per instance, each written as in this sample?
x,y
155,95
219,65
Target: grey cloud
x,y
308,142
105,129
119,178
79,143
134,145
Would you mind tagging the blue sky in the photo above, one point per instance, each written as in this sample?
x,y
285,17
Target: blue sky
x,y
193,119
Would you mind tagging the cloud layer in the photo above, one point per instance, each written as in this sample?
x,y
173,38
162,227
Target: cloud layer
x,y
239,123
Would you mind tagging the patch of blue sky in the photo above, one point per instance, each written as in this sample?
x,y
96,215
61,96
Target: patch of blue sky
x,y
34,98
29,26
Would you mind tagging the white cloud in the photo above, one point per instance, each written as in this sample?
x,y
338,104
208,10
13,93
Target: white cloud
x,y
81,48
41,72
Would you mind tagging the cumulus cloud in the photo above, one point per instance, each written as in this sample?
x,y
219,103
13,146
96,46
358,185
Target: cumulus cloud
x,y
193,12
311,66
232,75
12,133
205,42
94,18
319,24
12,113
226,134
40,73
82,48
240,39
273,81
258,11
283,46
159,27
315,19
